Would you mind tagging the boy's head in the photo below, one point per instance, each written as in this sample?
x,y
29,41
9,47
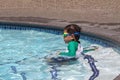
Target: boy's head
x,y
72,32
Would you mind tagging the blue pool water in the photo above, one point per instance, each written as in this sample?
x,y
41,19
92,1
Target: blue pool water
x,y
22,55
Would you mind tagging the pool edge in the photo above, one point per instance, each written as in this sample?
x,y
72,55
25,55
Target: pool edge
x,y
101,33
91,31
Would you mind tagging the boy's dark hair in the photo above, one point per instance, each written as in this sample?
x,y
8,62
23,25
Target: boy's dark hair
x,y
72,29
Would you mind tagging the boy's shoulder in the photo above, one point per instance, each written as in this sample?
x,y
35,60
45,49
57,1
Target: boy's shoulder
x,y
73,43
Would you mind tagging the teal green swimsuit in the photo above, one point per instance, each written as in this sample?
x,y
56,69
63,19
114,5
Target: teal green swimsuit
x,y
72,49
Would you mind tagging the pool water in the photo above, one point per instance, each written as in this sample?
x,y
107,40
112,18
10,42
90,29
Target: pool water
x,y
22,55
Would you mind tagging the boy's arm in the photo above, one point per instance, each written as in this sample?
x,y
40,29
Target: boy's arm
x,y
71,50
91,48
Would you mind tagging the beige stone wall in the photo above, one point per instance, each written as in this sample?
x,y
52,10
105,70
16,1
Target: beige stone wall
x,y
63,4
85,10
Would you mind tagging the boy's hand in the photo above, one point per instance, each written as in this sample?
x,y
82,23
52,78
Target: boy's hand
x,y
57,53
95,47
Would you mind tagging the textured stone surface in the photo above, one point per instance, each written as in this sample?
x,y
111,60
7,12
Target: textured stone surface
x,y
71,10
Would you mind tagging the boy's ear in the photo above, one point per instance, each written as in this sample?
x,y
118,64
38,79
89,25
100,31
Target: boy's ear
x,y
73,36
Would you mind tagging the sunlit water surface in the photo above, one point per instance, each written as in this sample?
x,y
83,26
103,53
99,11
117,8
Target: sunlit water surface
x,y
25,50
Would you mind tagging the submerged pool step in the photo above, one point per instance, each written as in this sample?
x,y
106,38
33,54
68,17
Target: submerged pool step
x,y
14,69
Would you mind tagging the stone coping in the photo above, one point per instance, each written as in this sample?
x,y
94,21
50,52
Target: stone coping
x,y
105,31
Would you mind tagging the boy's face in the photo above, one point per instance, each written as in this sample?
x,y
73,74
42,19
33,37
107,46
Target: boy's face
x,y
67,38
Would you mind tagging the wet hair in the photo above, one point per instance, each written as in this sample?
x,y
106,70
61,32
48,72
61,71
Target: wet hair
x,y
72,29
